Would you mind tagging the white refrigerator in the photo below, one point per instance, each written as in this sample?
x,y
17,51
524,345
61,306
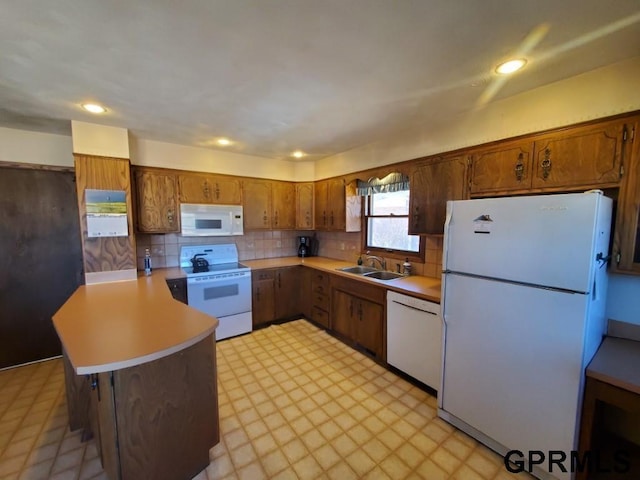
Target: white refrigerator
x,y
523,299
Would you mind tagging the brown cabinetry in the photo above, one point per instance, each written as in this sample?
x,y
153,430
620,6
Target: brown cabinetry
x,y
156,201
626,237
276,294
209,188
337,207
583,156
357,313
320,298
268,205
433,182
263,306
503,168
178,288
304,206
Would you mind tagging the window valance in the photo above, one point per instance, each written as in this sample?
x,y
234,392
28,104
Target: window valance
x,y
394,182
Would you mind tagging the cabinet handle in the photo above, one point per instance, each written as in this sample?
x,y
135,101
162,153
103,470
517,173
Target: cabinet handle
x,y
519,170
265,217
546,163
217,191
205,189
170,217
276,218
279,280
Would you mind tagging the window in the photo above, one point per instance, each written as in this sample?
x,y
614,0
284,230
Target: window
x,y
387,223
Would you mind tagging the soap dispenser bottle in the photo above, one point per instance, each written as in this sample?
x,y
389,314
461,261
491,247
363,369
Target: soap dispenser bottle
x,y
406,267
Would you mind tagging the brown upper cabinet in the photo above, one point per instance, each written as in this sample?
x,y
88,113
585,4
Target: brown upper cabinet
x,y
209,188
268,205
304,206
589,156
156,196
503,168
626,236
337,207
432,183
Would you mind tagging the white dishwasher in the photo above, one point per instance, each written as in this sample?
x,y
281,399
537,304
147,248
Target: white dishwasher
x,y
414,337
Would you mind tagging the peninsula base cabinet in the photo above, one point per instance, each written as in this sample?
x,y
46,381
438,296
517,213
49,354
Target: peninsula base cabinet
x,y
158,419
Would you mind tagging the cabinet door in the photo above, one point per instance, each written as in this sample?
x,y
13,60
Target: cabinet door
x,y
321,213
284,205
626,237
287,283
304,206
432,184
257,204
584,156
342,313
207,188
156,201
263,297
501,169
304,298
226,190
369,326
336,204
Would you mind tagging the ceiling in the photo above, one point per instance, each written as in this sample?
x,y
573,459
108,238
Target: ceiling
x,y
279,75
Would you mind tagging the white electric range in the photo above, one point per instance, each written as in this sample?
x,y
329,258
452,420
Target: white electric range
x,y
217,284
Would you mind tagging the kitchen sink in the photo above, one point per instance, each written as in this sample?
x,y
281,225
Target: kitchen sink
x,y
358,269
383,275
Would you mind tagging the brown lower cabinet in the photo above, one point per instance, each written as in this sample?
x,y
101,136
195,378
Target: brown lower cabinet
x,y
357,314
275,294
156,420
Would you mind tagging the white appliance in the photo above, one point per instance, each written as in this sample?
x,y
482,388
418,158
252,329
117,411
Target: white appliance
x,y
414,337
523,297
210,220
219,286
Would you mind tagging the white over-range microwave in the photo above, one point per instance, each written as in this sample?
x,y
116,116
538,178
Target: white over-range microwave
x,y
200,220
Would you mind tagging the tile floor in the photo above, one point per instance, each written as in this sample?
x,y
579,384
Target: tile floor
x,y
295,403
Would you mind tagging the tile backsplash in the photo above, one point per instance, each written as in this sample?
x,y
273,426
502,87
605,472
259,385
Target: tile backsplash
x,y
165,248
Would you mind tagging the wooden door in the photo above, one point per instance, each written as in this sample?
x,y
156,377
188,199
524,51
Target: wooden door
x,y
40,260
501,169
320,195
370,319
342,313
287,284
156,201
226,190
583,156
336,200
626,236
283,196
432,184
263,297
257,204
194,188
304,206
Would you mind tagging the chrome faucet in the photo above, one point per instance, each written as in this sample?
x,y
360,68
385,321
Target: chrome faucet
x,y
372,258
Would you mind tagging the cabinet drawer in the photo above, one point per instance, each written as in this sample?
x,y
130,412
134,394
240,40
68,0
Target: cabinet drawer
x,y
321,301
320,288
320,278
259,275
320,316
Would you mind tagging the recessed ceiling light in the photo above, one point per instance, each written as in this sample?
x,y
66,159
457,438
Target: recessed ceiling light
x,y
223,142
511,66
93,108
298,154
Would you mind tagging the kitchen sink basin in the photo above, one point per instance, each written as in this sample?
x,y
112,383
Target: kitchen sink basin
x,y
383,275
358,269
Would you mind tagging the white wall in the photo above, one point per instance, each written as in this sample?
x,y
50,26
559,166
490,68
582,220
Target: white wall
x,y
169,155
623,298
600,93
99,140
22,146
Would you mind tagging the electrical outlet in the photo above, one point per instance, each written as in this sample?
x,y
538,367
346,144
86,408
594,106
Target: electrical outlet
x,y
278,244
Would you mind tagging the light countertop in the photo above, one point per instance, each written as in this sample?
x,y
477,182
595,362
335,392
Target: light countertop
x,y
616,362
116,325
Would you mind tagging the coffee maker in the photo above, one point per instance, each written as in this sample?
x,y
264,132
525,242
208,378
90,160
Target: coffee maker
x,y
304,247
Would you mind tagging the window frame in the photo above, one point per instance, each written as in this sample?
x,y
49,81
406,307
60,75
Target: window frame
x,y
417,257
